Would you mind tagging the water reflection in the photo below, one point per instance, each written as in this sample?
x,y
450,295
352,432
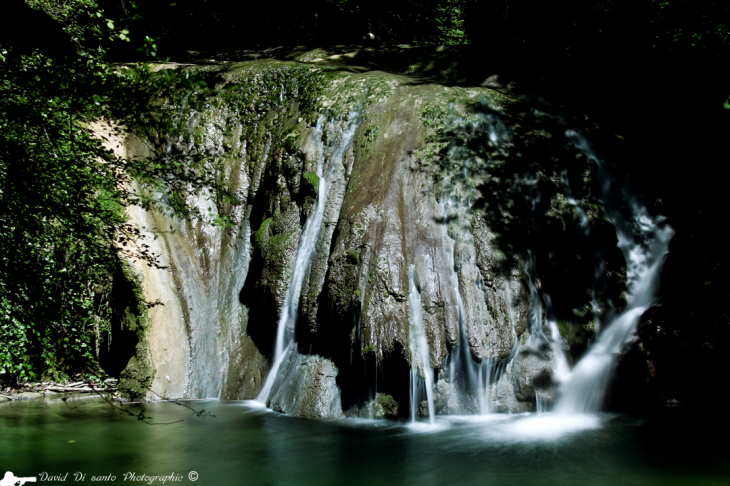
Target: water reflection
x,y
248,444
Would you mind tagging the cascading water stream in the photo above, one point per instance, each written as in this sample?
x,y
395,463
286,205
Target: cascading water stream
x,y
472,376
421,370
641,238
307,241
285,333
209,273
644,241
469,376
562,369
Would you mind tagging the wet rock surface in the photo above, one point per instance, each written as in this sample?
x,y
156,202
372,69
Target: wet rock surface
x,y
429,180
527,381
307,387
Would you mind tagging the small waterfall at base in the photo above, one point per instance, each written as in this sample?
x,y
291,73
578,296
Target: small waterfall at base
x,y
644,242
285,332
473,377
421,370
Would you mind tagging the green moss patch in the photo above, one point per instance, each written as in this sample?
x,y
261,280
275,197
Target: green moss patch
x,y
388,404
311,182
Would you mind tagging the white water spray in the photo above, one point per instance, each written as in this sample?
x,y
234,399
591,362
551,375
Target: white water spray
x,y
421,370
644,242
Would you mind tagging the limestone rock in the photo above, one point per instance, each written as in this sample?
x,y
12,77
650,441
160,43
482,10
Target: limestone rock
x,y
447,399
307,387
527,378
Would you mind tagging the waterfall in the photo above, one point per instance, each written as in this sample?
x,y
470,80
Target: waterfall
x,y
470,377
562,369
421,370
285,331
644,241
208,264
599,262
471,187
467,376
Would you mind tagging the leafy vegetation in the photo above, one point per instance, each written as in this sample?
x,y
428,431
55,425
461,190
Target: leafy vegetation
x,y
62,220
63,190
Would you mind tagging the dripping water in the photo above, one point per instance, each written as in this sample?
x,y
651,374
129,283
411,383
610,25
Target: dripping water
x,y
468,376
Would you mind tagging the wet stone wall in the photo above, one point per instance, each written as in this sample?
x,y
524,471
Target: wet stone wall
x,y
339,183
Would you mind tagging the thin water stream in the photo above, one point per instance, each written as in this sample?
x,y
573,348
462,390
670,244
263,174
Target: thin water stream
x,y
421,369
287,321
285,334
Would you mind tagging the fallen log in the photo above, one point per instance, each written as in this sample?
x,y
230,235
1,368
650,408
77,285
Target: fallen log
x,y
66,389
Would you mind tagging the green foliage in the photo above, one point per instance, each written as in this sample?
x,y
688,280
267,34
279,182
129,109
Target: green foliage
x,y
63,191
61,217
219,25
553,28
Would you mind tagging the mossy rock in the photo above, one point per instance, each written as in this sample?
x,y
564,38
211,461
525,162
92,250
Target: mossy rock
x,y
388,404
136,379
343,279
310,181
275,236
353,257
578,336
135,315
262,235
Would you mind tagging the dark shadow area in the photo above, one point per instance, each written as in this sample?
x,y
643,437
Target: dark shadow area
x,y
527,176
116,347
220,25
361,374
256,293
262,315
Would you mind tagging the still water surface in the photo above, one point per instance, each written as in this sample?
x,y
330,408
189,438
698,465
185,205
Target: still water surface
x,y
246,444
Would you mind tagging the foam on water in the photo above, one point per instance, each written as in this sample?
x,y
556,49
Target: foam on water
x,y
548,426
427,427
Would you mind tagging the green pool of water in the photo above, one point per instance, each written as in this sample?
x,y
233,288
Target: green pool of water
x,y
248,445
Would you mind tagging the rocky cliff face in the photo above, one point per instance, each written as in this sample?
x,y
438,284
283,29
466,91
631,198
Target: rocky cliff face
x,y
481,193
